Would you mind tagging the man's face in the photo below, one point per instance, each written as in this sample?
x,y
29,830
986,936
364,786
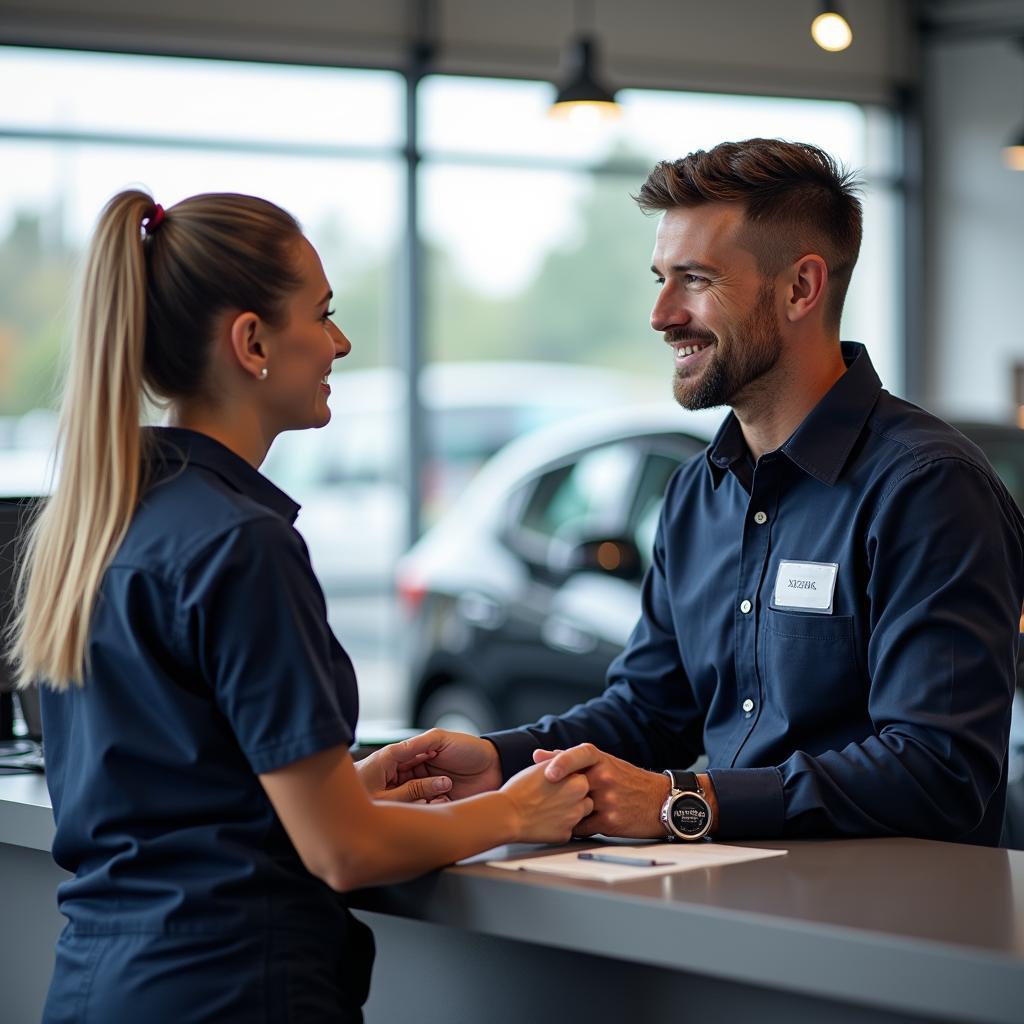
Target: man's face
x,y
715,309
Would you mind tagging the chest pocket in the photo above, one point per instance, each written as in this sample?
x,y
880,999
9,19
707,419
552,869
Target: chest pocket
x,y
810,669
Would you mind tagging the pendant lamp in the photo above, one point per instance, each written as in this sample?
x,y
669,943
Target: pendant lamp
x,y
582,90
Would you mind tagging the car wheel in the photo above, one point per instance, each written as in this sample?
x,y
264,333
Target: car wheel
x,y
458,708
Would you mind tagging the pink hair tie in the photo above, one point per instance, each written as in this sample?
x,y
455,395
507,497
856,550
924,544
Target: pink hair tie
x,y
154,220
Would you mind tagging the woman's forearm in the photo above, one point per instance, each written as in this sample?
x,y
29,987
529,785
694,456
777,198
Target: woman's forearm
x,y
395,842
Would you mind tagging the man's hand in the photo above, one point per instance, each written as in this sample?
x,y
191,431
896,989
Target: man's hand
x,y
627,799
472,764
390,774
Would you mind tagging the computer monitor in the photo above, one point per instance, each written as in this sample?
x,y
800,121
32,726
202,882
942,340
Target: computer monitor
x,y
15,514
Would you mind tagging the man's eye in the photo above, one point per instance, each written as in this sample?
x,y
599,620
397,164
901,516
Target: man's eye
x,y
659,280
695,279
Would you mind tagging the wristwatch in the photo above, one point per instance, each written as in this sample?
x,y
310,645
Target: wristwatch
x,y
685,813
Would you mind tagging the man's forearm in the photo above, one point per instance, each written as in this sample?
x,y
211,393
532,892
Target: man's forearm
x,y
614,722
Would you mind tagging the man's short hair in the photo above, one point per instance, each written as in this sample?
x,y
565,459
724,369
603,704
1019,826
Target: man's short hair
x,y
797,200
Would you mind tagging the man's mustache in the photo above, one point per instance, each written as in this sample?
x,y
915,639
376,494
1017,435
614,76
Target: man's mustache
x,y
679,335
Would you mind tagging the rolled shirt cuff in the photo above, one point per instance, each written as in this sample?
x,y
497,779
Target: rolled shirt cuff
x,y
750,803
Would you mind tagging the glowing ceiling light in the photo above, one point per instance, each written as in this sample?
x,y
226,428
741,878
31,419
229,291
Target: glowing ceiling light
x,y
830,30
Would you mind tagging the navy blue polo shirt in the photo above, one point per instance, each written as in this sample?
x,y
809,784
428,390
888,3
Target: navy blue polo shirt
x,y
209,660
835,627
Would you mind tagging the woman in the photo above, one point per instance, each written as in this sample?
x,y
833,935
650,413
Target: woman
x,y
198,711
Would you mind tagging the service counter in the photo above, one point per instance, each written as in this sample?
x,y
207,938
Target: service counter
x,y
850,930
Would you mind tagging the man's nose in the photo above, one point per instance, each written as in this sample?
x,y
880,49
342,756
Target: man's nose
x,y
668,312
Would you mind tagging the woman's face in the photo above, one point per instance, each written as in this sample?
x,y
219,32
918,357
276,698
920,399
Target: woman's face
x,y
300,353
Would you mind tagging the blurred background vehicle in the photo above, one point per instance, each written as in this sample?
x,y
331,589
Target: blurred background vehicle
x,y
348,479
347,476
520,597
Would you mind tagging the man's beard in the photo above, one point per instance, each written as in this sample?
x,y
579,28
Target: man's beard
x,y
749,353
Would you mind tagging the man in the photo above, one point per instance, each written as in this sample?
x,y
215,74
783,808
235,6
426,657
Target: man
x,y
832,611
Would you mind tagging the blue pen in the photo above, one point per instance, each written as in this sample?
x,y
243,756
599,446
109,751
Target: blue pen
x,y
632,862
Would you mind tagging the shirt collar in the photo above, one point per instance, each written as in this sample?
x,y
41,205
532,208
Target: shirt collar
x,y
727,447
175,446
822,443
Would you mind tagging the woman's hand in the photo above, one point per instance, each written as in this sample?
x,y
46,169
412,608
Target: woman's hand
x,y
471,763
389,774
546,812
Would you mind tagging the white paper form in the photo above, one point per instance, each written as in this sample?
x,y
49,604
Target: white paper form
x,y
670,858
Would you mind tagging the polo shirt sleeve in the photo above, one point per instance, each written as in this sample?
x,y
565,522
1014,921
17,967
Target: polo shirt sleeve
x,y
647,714
252,618
944,555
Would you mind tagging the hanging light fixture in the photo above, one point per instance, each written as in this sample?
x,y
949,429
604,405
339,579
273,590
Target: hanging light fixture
x,y
830,30
1013,152
582,91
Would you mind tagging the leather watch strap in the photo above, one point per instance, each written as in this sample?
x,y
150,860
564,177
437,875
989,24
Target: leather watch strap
x,y
685,782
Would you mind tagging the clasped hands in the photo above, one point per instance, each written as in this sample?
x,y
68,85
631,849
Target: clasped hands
x,y
439,765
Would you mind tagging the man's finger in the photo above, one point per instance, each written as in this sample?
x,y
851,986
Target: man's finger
x,y
418,789
540,755
415,749
411,749
575,759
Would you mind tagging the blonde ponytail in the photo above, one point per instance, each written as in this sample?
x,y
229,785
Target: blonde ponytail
x,y
80,527
146,313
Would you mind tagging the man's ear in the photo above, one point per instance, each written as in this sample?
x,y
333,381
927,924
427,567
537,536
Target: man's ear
x,y
246,339
806,280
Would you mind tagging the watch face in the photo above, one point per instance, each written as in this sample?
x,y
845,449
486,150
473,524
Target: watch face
x,y
689,815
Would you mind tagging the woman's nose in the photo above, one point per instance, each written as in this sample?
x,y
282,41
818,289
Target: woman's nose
x,y
342,345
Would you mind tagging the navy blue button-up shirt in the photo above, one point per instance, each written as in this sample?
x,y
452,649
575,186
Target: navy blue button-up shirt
x,y
209,661
835,627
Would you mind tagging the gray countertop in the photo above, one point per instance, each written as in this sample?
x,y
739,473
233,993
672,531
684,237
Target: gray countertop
x,y
25,814
935,929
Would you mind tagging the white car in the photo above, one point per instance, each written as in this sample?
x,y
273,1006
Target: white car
x,y
348,475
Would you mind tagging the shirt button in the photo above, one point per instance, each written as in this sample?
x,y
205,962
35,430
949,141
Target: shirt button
x,y
745,606
760,518
748,705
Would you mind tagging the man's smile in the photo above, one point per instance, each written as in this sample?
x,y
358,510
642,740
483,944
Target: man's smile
x,y
690,352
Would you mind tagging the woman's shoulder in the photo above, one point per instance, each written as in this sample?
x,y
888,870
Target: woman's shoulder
x,y
186,512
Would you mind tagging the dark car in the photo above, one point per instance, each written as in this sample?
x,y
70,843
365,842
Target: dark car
x,y
520,597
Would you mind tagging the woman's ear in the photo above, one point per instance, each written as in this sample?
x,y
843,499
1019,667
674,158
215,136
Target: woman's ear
x,y
807,281
246,343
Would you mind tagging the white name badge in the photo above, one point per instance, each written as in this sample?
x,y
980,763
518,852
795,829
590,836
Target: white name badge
x,y
808,586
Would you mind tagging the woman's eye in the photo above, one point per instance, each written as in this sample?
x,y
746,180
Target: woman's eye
x,y
327,316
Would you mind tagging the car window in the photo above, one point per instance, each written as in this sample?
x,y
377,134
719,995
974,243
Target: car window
x,y
643,520
583,498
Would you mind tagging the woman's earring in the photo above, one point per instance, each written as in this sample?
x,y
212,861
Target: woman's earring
x,y
263,373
